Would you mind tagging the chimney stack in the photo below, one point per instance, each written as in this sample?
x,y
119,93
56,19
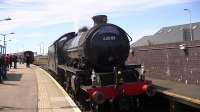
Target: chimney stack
x,y
99,19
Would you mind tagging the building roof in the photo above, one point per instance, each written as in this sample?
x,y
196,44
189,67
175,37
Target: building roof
x,y
168,34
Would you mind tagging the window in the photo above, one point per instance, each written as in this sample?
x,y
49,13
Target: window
x,y
194,27
160,31
169,30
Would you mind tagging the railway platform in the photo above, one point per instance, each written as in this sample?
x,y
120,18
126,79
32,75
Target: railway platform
x,y
33,90
187,94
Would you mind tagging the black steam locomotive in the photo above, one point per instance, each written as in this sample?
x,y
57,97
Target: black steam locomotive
x,y
90,65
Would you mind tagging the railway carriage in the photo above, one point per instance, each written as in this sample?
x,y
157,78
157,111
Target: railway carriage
x,y
28,54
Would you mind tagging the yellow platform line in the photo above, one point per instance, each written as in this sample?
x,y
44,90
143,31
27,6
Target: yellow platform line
x,y
66,96
189,99
43,98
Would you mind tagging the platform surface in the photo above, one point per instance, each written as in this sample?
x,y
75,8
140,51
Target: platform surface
x,y
185,92
33,90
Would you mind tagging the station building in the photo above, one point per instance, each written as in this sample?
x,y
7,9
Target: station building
x,y
170,53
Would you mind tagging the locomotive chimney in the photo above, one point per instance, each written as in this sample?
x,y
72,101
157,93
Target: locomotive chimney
x,y
99,19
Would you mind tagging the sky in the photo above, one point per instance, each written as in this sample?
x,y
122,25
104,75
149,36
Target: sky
x,y
38,23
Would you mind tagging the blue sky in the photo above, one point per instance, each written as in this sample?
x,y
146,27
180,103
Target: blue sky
x,y
38,23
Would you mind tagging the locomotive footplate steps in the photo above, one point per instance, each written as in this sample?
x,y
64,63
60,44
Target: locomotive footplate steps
x,y
184,93
33,90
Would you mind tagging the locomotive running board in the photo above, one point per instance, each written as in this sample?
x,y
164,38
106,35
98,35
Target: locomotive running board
x,y
72,70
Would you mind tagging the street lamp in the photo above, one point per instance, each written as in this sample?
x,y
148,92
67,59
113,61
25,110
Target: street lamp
x,y
4,39
190,16
6,19
41,48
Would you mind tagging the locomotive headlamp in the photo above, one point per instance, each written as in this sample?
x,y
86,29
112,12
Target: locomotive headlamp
x,y
94,79
98,97
142,70
119,77
119,72
142,77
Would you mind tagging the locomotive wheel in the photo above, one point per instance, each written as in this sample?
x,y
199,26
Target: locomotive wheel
x,y
137,104
67,85
105,107
95,108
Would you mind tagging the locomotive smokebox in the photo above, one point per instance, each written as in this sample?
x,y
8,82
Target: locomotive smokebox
x,y
99,19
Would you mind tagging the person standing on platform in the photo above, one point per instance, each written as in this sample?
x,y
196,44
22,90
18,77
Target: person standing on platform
x,y
15,61
11,60
28,60
1,68
20,59
7,60
4,66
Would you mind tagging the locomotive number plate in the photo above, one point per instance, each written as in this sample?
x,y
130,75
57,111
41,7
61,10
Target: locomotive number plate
x,y
109,38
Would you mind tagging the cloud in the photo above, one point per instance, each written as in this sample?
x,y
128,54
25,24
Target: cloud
x,y
35,35
38,13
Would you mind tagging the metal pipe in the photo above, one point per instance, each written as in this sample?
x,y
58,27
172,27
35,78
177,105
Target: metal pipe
x,y
4,39
190,17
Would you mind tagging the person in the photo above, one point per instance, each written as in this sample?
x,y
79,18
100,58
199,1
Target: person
x,y
7,60
1,68
20,59
15,61
28,60
6,65
23,59
10,61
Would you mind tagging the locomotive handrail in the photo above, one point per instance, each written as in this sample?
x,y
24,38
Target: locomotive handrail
x,y
129,37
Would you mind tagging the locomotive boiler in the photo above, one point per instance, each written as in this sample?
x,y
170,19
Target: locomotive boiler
x,y
100,48
90,65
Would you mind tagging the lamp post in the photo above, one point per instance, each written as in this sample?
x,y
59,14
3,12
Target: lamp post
x,y
41,48
4,39
6,19
190,16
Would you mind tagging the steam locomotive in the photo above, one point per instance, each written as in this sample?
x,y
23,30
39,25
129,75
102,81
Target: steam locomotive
x,y
90,65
